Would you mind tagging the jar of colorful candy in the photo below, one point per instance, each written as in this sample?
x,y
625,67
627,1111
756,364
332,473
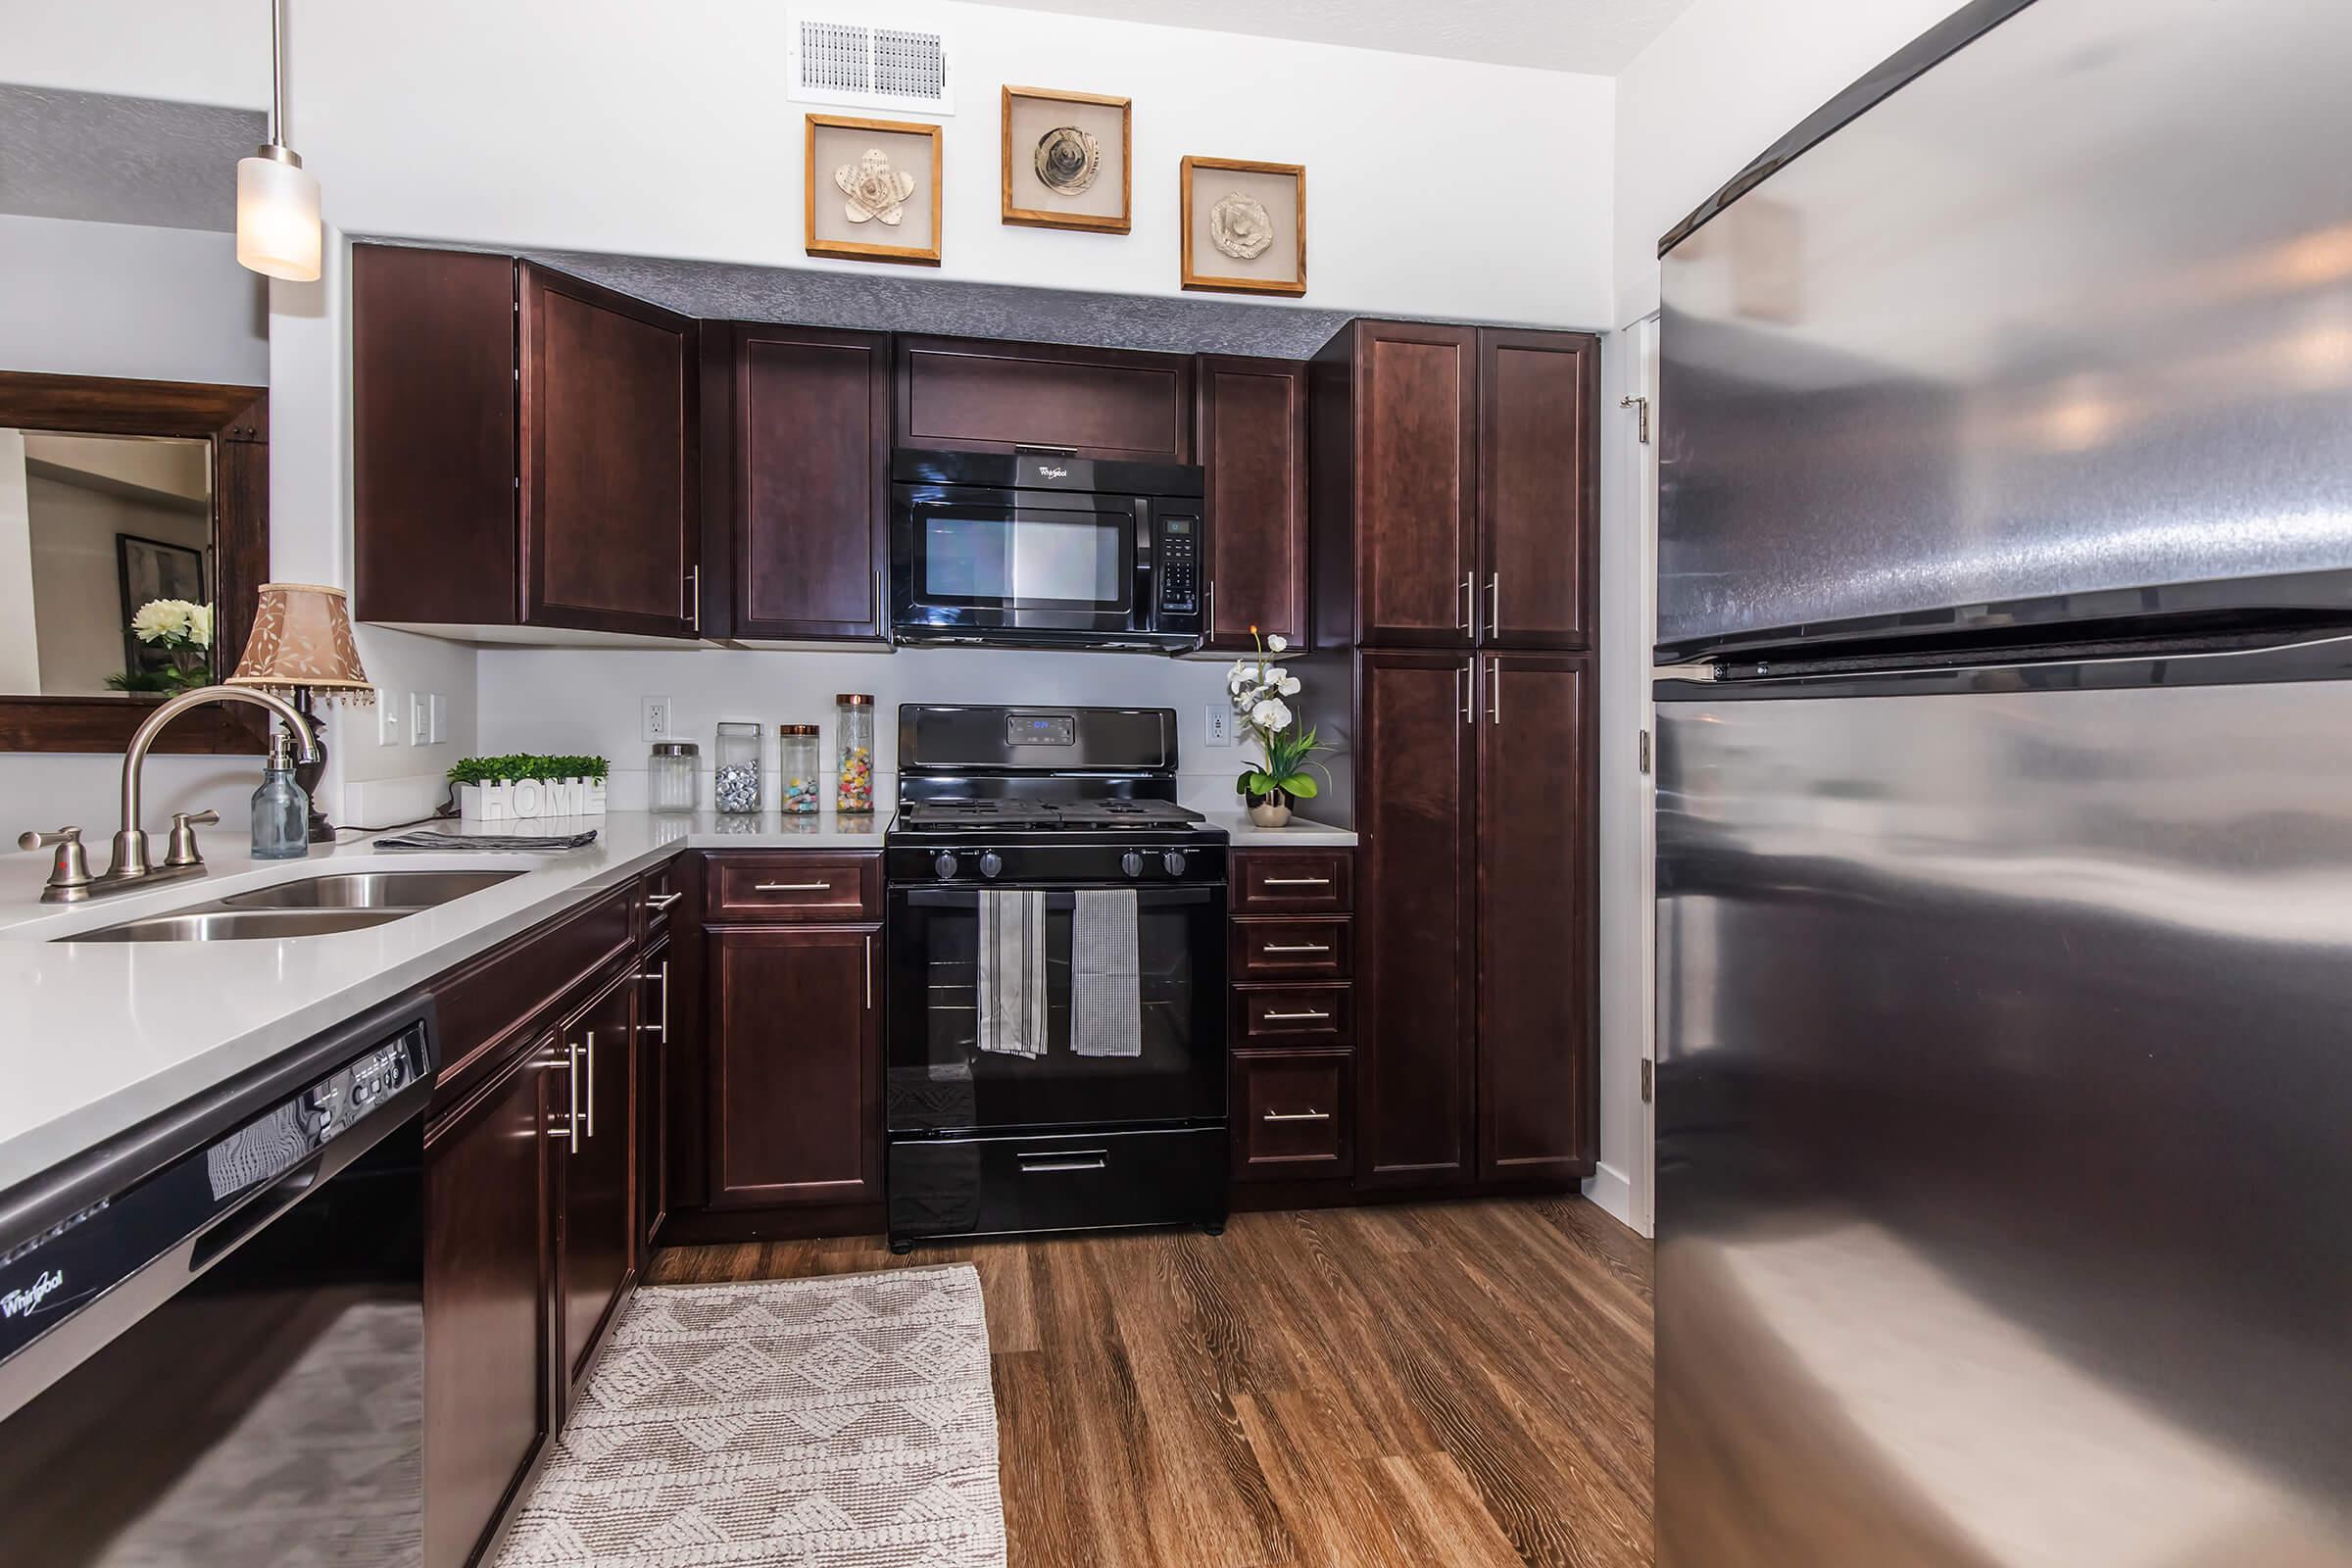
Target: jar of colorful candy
x,y
797,773
853,736
735,779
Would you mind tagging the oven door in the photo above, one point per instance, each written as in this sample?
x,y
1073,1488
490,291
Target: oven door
x,y
940,1080
971,561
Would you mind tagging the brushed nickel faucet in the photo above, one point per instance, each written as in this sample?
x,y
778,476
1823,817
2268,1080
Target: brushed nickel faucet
x,y
69,879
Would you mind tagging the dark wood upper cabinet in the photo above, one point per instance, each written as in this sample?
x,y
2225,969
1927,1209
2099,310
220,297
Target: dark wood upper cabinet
x,y
524,448
596,1149
971,395
1252,429
1416,920
795,1036
1537,1110
486,1323
807,502
1396,497
1539,492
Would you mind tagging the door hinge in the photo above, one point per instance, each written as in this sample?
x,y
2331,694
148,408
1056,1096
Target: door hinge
x,y
1648,1073
1640,408
1645,751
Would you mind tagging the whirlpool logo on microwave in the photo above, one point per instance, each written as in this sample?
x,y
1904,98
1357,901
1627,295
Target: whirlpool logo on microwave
x,y
17,1303
1047,470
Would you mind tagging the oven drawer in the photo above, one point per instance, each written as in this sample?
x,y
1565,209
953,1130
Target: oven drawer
x,y
1064,1181
1282,1016
798,885
1293,881
1293,950
1289,1115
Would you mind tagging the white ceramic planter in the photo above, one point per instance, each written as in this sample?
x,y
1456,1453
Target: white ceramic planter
x,y
524,799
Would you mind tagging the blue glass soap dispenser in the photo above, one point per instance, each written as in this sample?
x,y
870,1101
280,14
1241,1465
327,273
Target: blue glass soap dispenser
x,y
281,812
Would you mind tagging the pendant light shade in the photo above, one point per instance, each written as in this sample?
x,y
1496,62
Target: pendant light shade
x,y
277,216
278,200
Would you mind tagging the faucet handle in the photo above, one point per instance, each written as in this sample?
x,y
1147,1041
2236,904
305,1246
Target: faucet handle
x,y
183,850
70,877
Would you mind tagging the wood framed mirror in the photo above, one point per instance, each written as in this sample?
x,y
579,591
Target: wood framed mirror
x,y
113,493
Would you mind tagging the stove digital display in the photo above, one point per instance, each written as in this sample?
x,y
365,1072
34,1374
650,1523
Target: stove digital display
x,y
1041,729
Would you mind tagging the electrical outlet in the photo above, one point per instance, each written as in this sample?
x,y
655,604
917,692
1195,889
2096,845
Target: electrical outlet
x,y
421,718
391,718
1220,724
657,718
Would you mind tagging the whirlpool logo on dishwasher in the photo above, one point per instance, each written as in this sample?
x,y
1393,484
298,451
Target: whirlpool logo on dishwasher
x,y
17,1303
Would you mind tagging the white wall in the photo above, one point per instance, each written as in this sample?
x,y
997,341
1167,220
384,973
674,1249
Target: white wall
x,y
116,299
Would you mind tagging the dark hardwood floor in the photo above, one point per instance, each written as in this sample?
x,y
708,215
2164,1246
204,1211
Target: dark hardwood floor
x,y
1457,1384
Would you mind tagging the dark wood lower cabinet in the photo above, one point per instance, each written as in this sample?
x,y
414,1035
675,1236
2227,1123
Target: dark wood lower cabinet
x,y
796,1037
594,1151
487,1405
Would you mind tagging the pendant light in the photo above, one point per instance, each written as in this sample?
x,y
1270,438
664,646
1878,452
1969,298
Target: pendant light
x,y
278,200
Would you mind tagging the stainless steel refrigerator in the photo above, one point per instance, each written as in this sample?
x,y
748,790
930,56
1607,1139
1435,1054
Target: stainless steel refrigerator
x,y
2005,809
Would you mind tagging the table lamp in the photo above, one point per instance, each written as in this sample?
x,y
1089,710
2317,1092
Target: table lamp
x,y
302,644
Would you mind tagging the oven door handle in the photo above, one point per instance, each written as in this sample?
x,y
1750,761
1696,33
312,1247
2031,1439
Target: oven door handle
x,y
968,897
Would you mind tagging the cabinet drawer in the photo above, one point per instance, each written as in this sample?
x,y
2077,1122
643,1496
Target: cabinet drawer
x,y
1294,882
487,1007
1294,1016
1293,950
1289,1115
795,885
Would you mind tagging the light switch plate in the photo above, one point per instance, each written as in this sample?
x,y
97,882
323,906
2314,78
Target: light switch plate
x,y
657,718
1220,724
421,718
436,719
391,718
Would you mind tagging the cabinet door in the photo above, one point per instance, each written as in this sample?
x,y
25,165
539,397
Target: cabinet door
x,y
1537,1109
797,1038
1415,484
812,482
609,515
1416,918
1539,491
1252,428
486,1400
597,1250
972,395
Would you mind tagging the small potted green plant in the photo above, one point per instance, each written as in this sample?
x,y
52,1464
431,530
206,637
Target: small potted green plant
x,y
513,788
1261,691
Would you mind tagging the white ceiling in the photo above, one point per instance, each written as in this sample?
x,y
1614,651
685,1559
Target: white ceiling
x,y
1599,36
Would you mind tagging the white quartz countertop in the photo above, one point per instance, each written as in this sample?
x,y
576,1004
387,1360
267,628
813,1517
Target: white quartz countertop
x,y
98,1037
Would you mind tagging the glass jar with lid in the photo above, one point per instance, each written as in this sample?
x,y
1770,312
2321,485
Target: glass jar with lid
x,y
854,742
735,779
797,774
672,776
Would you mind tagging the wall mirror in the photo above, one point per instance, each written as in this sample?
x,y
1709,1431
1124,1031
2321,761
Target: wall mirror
x,y
126,508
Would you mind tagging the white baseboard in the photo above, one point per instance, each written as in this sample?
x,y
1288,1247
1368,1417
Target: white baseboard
x,y
1610,1190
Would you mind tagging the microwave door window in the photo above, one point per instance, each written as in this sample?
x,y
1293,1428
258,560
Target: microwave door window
x,y
1028,560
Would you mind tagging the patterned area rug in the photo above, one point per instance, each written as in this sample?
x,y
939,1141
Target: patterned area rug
x,y
820,1423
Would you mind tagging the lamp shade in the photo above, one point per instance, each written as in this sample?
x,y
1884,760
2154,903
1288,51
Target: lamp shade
x,y
277,217
302,637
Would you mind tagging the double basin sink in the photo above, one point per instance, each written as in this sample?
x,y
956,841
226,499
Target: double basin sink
x,y
314,906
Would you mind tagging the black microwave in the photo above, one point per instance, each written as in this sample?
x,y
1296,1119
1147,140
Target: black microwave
x,y
1039,549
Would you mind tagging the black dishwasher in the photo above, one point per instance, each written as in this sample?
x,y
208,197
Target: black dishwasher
x,y
212,1332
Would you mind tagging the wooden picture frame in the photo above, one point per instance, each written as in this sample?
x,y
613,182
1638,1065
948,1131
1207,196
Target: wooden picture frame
x,y
829,239
1290,283
1092,105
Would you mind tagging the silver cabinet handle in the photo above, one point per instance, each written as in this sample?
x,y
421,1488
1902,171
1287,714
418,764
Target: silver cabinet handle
x,y
1461,693
694,597
662,900
1495,691
868,946
1297,882
1469,622
1291,1018
1297,947
661,1031
1493,600
792,887
592,1083
571,1071
1309,1114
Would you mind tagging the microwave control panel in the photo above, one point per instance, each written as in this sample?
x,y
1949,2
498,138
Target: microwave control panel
x,y
1180,564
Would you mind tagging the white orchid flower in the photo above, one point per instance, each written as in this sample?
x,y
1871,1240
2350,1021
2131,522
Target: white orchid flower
x,y
1271,715
1276,675
1290,687
1277,643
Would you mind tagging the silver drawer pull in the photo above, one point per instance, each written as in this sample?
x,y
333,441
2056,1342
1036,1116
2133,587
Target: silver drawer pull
x,y
572,1116
1076,1159
1297,882
1288,1017
662,900
792,887
1297,947
1309,1114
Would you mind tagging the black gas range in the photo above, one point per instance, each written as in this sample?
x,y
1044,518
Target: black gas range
x,y
1056,931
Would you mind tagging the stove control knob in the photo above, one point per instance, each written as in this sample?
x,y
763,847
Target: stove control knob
x,y
944,865
1173,859
1132,862
991,863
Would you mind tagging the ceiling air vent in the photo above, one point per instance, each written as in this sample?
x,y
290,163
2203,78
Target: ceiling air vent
x,y
839,60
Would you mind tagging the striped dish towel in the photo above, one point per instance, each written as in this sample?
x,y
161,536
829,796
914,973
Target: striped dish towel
x,y
1106,1003
1012,973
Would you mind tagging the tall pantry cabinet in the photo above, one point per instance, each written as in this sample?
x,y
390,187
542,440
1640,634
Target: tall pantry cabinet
x,y
1454,511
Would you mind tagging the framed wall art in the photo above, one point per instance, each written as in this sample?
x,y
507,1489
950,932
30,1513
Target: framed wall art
x,y
873,188
1244,226
1068,160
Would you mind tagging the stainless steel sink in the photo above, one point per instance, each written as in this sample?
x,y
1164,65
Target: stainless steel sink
x,y
370,889
215,924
